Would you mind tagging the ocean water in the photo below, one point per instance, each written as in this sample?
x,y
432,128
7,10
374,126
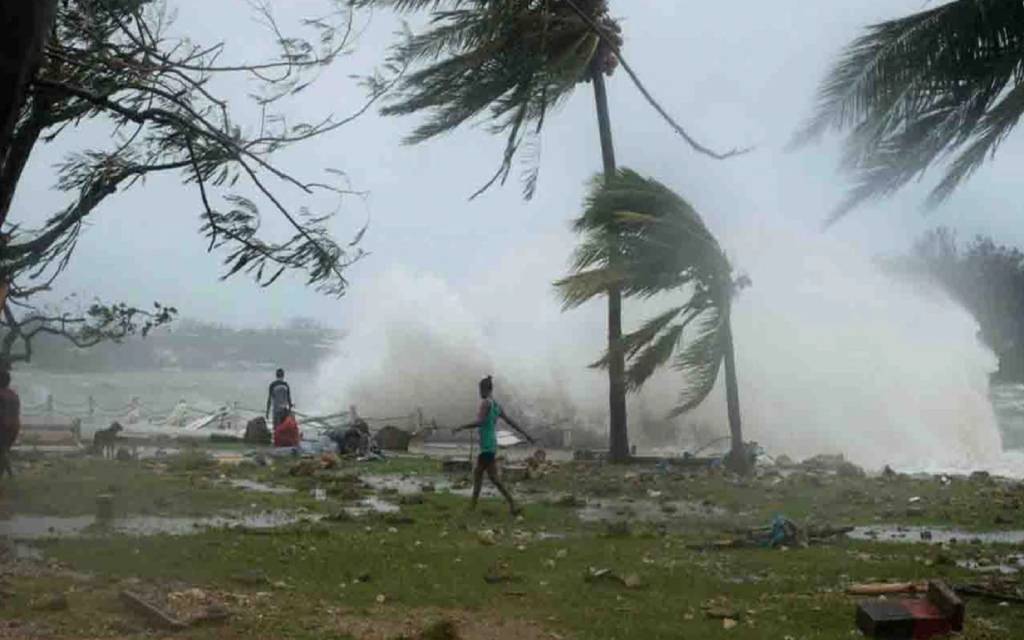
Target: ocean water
x,y
159,391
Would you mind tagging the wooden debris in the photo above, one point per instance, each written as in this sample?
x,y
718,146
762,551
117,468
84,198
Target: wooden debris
x,y
153,614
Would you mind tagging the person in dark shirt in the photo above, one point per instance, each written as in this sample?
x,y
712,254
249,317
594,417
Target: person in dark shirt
x,y
279,398
10,421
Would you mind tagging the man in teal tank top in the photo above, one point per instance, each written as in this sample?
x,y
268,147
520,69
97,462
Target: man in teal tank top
x,y
487,422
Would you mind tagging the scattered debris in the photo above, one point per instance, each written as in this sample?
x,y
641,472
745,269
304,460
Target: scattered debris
x,y
983,477
257,432
939,613
151,613
571,501
456,466
304,468
486,537
105,507
596,576
393,439
782,533
214,614
55,602
886,588
501,573
440,630
251,578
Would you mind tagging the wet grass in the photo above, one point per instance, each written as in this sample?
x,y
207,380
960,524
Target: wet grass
x,y
432,556
184,485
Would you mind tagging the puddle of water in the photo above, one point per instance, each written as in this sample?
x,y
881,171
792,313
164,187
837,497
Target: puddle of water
x,y
33,527
26,527
512,454
645,510
19,551
413,485
1005,566
260,487
373,504
929,535
405,485
549,535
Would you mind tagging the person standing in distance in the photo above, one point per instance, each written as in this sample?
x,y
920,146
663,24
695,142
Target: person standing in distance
x,y
486,421
279,399
10,421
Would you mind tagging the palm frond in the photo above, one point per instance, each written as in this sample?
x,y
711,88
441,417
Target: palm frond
x,y
506,63
643,365
941,82
634,342
701,360
640,236
584,286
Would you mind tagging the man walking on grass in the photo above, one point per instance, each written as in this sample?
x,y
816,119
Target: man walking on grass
x,y
486,422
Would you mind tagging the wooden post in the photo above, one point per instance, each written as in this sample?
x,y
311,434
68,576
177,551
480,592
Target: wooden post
x,y
49,403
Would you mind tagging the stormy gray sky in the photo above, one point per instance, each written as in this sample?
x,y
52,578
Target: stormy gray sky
x,y
734,72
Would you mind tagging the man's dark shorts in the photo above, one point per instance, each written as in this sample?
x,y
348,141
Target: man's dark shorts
x,y
485,459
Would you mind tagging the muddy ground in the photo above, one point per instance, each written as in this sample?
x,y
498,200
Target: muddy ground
x,y
242,546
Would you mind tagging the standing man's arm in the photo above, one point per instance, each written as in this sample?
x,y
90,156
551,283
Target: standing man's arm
x,y
512,423
288,388
270,393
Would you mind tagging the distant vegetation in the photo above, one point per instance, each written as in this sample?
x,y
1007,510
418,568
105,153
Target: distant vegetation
x,y
987,279
195,345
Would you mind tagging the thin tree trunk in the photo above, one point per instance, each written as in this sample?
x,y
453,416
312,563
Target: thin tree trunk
x,y
618,434
737,455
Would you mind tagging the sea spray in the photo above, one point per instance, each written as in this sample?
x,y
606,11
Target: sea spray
x,y
834,356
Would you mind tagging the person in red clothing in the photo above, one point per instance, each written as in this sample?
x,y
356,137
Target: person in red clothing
x,y
286,434
10,421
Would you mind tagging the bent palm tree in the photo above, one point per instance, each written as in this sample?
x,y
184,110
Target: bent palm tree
x,y
942,81
513,61
510,61
641,237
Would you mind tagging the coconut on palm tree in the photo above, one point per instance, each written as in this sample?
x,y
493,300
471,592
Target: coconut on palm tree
x,y
645,240
947,81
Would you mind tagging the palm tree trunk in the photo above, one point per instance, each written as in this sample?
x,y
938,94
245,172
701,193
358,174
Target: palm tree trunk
x,y
737,455
618,435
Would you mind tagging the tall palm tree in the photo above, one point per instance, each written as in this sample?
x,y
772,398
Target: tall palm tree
x,y
643,239
948,80
511,62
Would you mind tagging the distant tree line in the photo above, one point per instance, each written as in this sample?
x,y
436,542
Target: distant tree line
x,y
194,345
987,279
